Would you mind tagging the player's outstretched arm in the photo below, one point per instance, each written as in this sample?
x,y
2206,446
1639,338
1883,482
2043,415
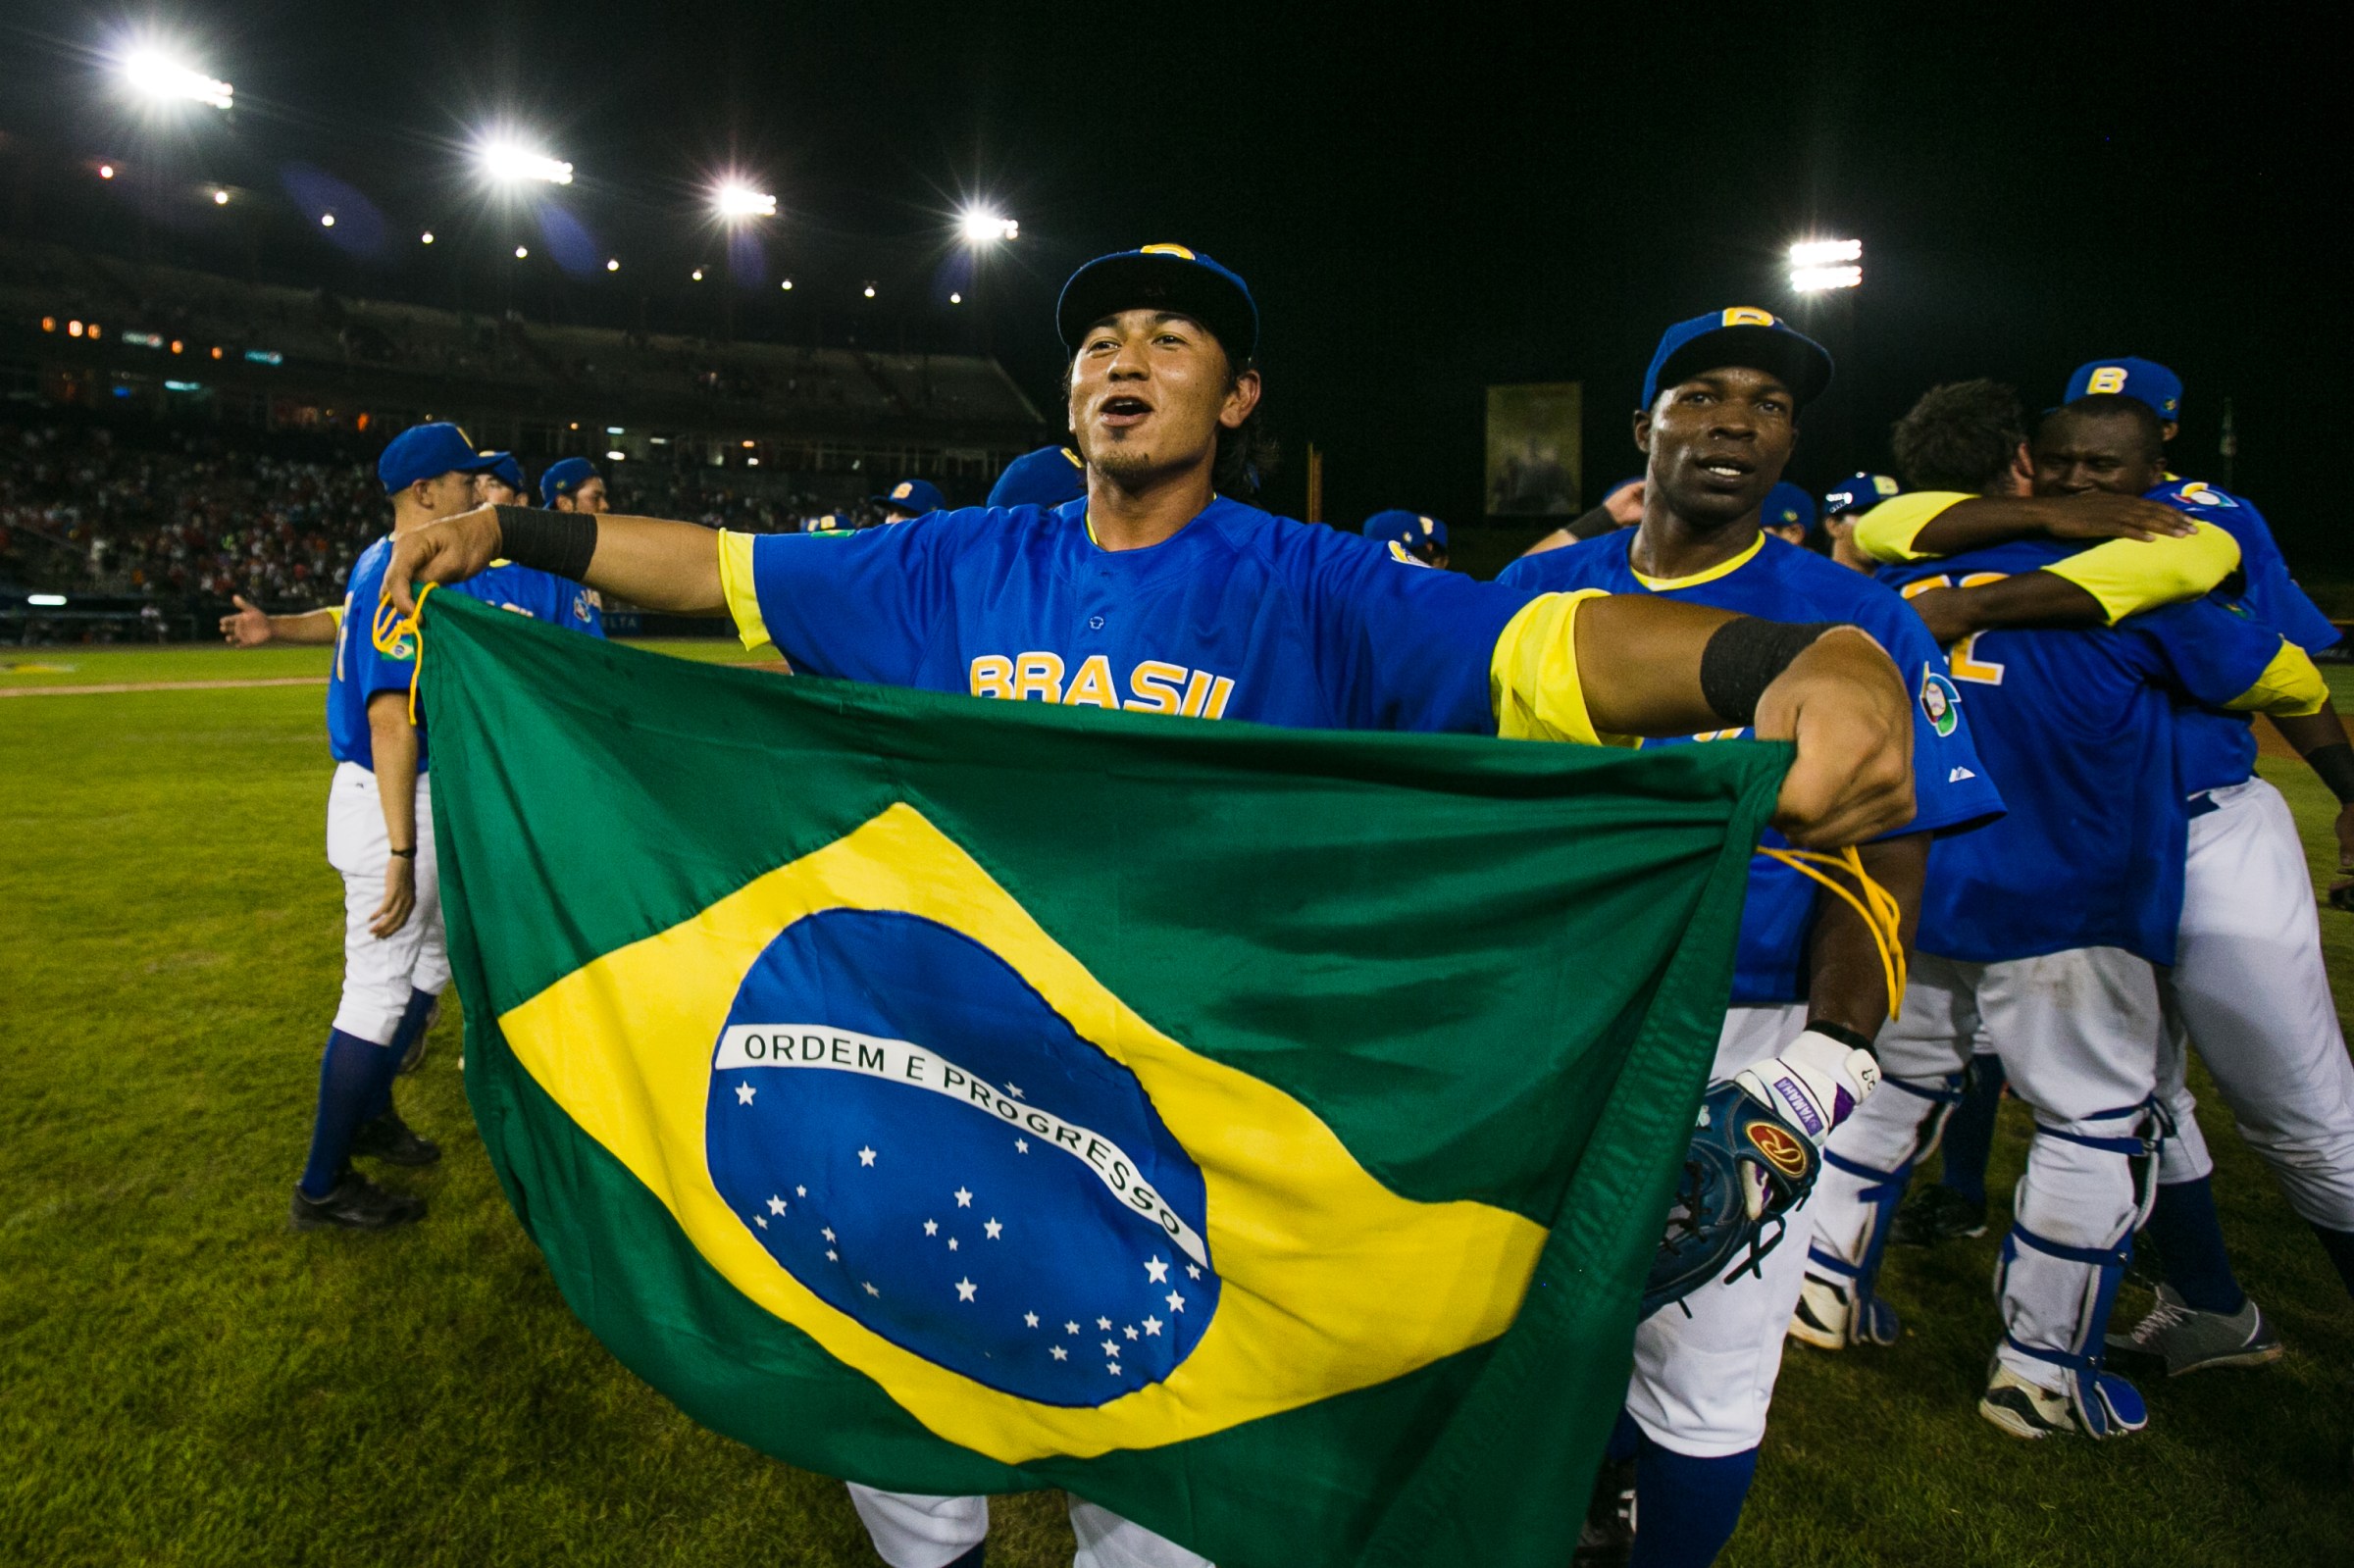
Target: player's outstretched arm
x,y
1658,667
672,566
1932,524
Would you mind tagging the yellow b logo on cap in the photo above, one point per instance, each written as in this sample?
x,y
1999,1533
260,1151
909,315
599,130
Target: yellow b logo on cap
x,y
902,491
2108,378
1744,316
1166,250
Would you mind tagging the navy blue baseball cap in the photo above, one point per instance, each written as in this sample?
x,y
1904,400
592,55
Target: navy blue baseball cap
x,y
1047,477
1787,506
1171,277
1858,493
506,468
1755,339
1409,529
564,478
911,495
2143,379
427,452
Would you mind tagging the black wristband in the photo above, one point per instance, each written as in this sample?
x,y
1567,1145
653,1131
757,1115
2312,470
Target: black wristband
x,y
2335,763
1742,658
1852,1039
403,854
1593,524
561,542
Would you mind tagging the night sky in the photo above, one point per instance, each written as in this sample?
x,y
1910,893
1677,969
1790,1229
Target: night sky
x,y
1426,200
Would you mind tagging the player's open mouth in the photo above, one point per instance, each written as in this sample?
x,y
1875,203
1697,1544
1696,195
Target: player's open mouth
x,y
1121,412
1725,468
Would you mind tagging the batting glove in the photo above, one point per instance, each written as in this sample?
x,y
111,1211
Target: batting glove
x,y
1814,1084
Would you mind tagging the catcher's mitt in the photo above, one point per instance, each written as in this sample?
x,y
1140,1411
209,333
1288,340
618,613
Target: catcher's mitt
x,y
1744,1170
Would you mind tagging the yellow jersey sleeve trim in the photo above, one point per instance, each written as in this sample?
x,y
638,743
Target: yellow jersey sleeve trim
x,y
1532,675
1886,532
2130,574
1723,569
736,587
334,612
2290,688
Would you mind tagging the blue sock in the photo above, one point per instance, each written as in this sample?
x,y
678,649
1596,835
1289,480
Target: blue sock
x,y
1626,1439
2340,1244
1686,1508
350,1075
1970,1131
2190,1248
404,1034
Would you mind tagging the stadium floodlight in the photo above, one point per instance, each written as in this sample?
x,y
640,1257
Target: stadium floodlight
x,y
47,601
157,77
985,227
425,238
327,220
522,252
696,275
1821,263
219,197
870,291
733,201
505,161
613,265
105,171
616,455
787,286
955,299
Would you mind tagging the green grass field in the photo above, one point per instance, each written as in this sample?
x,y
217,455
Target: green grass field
x,y
183,1380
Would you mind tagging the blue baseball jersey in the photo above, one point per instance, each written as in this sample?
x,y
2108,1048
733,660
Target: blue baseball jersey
x,y
360,670
2218,749
1782,582
542,595
2079,726
1239,615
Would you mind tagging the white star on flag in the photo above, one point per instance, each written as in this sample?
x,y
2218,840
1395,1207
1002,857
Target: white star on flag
x,y
744,1094
1176,1302
1103,1323
1058,1352
1030,1319
965,1289
1112,1350
1071,1328
870,1289
828,1232
776,1205
992,1228
1015,1090
931,1227
1158,1272
800,1191
951,1243
1193,1271
1130,1331
1021,1145
964,1199
1113,1368
757,1220
1152,1327
866,1156
832,1256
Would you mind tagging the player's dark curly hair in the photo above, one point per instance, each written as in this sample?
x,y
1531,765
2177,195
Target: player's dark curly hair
x,y
1960,436
1247,454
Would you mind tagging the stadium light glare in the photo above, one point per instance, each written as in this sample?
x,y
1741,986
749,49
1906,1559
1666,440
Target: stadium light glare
x,y
735,200
1813,280
47,601
787,286
157,77
327,220
522,252
105,171
1824,252
985,227
870,291
617,456
613,265
696,275
425,238
504,161
955,299
219,197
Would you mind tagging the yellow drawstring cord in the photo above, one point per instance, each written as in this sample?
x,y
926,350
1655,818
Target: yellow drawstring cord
x,y
1878,907
390,626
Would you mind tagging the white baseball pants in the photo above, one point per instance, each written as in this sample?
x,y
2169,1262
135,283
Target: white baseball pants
x,y
378,973
913,1531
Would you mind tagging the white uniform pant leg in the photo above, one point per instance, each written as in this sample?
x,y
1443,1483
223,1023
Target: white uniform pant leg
x,y
2185,1158
2250,985
911,1530
1703,1380
1921,1051
1108,1540
378,973
2078,1032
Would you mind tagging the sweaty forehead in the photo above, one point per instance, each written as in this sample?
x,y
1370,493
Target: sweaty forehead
x,y
1737,380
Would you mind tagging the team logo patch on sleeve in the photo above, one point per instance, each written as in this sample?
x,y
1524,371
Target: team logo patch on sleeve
x,y
1941,703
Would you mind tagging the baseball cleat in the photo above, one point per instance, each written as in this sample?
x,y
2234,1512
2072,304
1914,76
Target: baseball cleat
x,y
356,1204
2186,1340
1934,1214
1828,1320
388,1138
2025,1409
1607,1537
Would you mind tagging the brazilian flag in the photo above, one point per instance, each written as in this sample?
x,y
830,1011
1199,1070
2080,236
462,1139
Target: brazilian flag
x,y
1263,1134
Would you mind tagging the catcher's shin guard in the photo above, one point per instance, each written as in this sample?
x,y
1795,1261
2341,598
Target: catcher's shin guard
x,y
1746,1169
1870,1320
2104,1405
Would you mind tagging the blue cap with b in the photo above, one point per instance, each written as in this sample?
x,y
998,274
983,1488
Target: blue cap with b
x,y
427,452
1858,493
2143,379
1409,529
565,479
1743,336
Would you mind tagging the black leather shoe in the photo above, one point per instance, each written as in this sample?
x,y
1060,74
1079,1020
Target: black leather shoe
x,y
356,1204
388,1138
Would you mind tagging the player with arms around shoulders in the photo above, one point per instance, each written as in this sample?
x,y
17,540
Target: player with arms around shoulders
x,y
2040,934
2247,984
1718,423
380,837
1162,589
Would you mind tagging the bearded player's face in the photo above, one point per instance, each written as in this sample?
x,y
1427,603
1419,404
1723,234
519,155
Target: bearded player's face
x,y
1149,392
1718,442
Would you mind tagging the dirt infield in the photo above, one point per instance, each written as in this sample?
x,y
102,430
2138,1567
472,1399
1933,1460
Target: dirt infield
x,y
159,686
